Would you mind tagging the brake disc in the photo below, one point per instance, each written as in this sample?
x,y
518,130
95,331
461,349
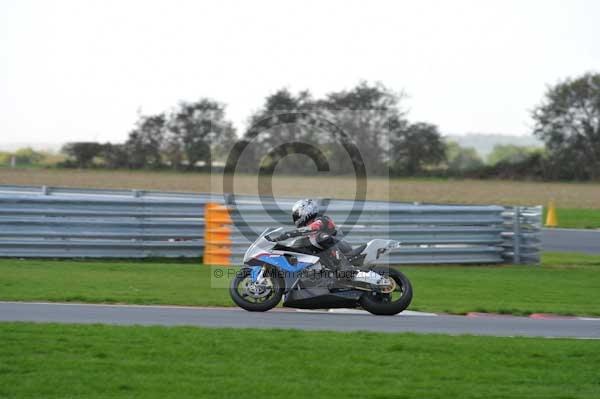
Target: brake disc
x,y
257,290
389,288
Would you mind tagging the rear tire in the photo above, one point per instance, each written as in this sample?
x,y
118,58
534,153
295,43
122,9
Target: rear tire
x,y
240,279
380,304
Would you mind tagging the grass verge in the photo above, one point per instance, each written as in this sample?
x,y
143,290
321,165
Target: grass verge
x,y
564,284
98,361
573,218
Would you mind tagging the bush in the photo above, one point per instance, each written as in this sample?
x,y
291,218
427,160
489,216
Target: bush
x,y
27,156
82,154
510,154
5,158
534,166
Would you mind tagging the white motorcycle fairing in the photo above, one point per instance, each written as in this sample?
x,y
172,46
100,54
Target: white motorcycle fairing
x,y
375,249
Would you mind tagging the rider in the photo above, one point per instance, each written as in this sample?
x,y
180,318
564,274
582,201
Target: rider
x,y
320,231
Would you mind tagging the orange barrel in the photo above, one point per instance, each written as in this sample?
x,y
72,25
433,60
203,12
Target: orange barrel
x,y
217,235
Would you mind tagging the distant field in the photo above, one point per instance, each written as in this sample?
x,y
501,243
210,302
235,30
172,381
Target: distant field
x,y
565,283
566,195
101,361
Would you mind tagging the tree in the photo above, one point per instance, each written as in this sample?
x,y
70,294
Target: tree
x,y
83,153
23,156
194,130
116,156
568,121
363,113
509,153
144,144
5,158
280,142
462,159
368,113
28,156
416,146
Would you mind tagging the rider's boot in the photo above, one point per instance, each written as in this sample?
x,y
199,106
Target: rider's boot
x,y
344,271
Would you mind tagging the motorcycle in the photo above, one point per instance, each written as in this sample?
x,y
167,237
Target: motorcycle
x,y
273,271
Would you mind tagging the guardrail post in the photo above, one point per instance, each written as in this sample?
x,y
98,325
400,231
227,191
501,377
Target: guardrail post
x,y
517,235
45,190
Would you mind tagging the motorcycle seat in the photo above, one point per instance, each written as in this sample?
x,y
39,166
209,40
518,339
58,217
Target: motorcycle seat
x,y
356,251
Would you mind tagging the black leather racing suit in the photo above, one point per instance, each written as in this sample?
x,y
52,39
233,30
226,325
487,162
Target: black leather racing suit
x,y
320,238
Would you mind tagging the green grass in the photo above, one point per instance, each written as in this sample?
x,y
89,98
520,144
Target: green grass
x,y
574,218
109,282
96,361
564,284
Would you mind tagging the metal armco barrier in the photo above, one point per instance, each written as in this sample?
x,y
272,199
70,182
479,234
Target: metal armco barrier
x,y
430,234
64,223
73,223
521,234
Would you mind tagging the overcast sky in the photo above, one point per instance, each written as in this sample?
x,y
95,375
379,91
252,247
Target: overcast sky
x,y
81,70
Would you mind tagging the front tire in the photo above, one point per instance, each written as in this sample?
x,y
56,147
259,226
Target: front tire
x,y
254,300
387,304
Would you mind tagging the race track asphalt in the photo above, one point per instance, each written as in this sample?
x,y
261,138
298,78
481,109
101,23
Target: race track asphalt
x,y
291,319
571,240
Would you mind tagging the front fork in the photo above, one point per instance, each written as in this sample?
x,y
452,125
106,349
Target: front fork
x,y
256,273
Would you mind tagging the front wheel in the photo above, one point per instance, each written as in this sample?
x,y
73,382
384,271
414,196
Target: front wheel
x,y
389,303
255,297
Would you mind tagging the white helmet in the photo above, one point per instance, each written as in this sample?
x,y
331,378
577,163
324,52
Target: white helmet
x,y
303,211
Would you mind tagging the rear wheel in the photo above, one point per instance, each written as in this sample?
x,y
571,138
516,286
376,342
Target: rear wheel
x,y
253,296
389,302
